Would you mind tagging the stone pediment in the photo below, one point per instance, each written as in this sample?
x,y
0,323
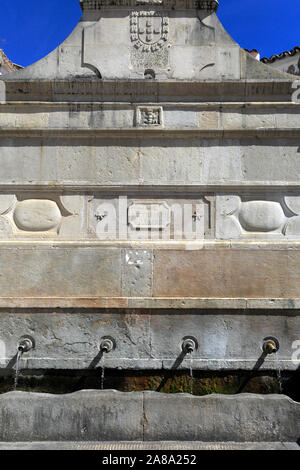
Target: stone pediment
x,y
137,39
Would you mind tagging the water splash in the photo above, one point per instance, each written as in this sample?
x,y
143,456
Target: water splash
x,y
19,355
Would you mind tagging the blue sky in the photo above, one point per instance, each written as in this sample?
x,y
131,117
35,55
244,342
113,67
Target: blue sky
x,y
30,29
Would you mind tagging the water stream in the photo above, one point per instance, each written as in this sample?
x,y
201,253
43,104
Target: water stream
x,y
278,373
191,373
19,355
102,373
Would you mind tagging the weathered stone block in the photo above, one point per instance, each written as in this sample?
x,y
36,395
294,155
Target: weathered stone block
x,y
217,418
149,339
55,272
227,273
86,416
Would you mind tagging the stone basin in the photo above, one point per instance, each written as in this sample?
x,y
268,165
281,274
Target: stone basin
x,y
109,415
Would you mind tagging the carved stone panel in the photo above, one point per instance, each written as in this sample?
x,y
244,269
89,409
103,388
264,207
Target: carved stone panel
x,y
149,116
143,216
149,32
261,216
37,215
32,215
149,219
258,216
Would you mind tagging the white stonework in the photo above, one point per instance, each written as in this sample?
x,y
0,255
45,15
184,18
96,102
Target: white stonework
x,y
152,101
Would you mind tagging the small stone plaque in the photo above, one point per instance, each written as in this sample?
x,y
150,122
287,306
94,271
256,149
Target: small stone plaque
x,y
149,216
149,116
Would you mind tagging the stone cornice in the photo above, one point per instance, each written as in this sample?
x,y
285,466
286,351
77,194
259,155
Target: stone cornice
x,y
129,133
205,105
150,189
136,91
152,303
208,5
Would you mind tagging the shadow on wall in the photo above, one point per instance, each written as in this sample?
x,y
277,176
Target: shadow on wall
x,y
204,383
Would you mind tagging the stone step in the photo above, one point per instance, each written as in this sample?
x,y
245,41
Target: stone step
x,y
151,446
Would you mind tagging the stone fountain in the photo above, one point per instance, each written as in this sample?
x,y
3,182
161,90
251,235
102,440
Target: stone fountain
x,y
150,195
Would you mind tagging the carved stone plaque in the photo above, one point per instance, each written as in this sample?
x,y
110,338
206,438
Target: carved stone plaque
x,y
149,216
149,116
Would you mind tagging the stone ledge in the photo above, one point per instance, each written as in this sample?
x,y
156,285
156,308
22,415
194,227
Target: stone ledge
x,y
134,132
148,188
208,105
142,364
136,91
150,303
139,445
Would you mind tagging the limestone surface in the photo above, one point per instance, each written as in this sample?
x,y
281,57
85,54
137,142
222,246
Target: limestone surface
x,y
149,117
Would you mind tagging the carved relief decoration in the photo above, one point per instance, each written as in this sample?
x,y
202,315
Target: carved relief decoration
x,y
145,219
28,215
239,216
149,33
149,116
149,30
143,216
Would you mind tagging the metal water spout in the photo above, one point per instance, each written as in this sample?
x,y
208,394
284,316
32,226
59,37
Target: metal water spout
x,y
270,345
189,345
25,345
107,345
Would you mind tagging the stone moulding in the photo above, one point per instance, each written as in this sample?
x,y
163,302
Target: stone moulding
x,y
152,303
109,415
93,90
155,131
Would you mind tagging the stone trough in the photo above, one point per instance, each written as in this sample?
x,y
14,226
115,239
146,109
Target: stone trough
x,y
94,416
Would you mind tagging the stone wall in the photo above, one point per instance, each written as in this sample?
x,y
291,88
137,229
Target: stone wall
x,y
154,104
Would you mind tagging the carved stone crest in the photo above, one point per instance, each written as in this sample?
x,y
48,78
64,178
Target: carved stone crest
x,y
149,30
149,116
